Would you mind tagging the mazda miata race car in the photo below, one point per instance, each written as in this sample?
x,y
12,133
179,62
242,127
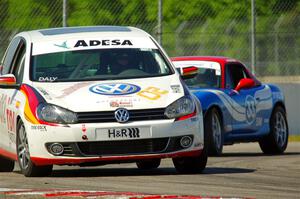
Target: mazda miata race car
x,y
92,96
236,106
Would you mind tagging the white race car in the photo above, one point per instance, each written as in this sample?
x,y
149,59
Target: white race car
x,y
92,96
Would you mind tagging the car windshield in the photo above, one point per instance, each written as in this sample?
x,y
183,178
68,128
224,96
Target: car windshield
x,y
206,78
98,64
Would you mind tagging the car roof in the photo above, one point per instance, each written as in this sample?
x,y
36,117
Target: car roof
x,y
219,59
84,31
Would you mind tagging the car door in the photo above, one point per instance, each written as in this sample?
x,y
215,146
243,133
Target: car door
x,y
13,63
244,104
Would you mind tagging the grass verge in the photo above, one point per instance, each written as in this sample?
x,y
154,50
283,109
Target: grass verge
x,y
294,138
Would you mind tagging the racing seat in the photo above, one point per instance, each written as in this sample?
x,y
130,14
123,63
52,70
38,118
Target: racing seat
x,y
104,66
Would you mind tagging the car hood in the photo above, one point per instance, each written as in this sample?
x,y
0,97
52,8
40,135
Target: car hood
x,y
142,93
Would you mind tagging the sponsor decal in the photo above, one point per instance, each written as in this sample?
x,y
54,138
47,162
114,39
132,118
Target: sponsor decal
x,y
114,104
152,93
73,88
250,105
12,138
47,79
115,89
121,103
63,45
176,88
41,128
124,133
104,42
45,93
3,100
83,129
11,120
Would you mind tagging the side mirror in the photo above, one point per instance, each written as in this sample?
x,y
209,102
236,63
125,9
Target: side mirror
x,y
8,81
244,84
188,72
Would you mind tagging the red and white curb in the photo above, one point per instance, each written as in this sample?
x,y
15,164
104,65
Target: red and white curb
x,y
97,194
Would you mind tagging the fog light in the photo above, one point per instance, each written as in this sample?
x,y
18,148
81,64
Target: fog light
x,y
186,141
56,149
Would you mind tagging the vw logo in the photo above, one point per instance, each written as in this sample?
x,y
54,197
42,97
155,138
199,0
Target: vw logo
x,y
115,89
122,115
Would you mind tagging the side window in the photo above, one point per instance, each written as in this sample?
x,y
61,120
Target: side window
x,y
234,73
228,81
9,55
18,62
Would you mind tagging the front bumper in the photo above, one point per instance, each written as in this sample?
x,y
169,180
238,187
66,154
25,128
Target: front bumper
x,y
83,144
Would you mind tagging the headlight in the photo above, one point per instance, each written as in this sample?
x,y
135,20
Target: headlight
x,y
55,114
181,107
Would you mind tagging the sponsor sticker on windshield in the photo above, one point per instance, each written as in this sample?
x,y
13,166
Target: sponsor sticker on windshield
x,y
91,43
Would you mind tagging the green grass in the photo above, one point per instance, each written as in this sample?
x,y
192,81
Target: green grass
x,y
294,138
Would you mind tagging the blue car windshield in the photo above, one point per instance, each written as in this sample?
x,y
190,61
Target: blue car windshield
x,y
206,78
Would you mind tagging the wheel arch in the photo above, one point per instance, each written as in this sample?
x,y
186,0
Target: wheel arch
x,y
279,103
215,106
18,119
17,122
282,105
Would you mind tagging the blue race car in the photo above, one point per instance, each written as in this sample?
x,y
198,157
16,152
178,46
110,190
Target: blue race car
x,y
236,106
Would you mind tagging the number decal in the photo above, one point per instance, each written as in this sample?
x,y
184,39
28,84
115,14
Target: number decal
x,y
250,105
152,93
11,120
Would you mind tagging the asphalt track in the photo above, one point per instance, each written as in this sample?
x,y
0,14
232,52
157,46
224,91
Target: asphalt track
x,y
242,172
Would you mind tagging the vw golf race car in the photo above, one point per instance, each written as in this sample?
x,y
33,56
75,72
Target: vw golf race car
x,y
92,96
236,106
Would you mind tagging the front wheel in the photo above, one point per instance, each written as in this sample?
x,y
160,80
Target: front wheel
x,y
188,165
148,164
276,141
6,165
213,133
27,167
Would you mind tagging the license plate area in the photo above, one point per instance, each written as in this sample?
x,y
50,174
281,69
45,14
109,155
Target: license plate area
x,y
125,133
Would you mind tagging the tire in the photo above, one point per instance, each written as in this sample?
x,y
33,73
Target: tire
x,y
277,139
6,165
148,164
190,165
28,169
213,133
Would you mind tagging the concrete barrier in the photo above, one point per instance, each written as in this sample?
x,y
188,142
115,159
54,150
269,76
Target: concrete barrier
x,y
290,86
292,102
